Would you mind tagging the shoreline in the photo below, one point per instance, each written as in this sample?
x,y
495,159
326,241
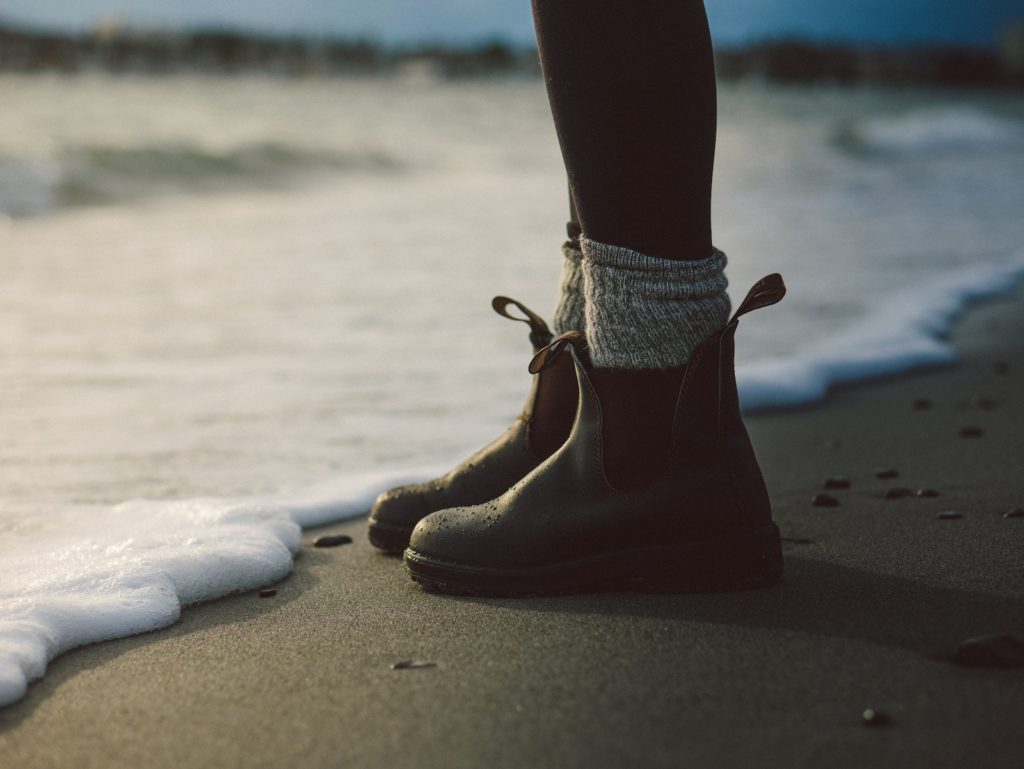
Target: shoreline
x,y
877,595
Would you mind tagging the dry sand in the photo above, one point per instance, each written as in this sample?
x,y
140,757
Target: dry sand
x,y
877,595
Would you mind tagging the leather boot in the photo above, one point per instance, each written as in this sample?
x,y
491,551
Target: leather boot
x,y
703,524
537,432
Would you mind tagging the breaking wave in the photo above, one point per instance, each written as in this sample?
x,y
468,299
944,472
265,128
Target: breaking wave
x,y
906,331
949,129
91,174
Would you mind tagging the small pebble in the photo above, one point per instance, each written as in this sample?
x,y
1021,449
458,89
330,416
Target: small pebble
x,y
949,515
267,592
991,651
886,473
332,540
413,665
1001,367
836,482
872,717
971,432
898,493
926,493
921,404
824,500
1014,512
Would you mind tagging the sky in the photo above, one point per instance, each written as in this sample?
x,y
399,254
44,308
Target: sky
x,y
970,22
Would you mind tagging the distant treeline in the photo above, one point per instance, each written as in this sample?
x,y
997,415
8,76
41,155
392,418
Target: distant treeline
x,y
124,50
227,51
798,61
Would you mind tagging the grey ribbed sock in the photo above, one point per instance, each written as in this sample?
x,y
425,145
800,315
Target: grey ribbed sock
x,y
644,312
569,314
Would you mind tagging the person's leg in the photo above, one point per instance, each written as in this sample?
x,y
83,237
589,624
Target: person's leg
x,y
632,89
572,228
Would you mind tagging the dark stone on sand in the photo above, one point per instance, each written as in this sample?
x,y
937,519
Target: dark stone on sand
x,y
886,473
413,665
824,500
926,493
872,717
990,651
971,432
332,540
1001,367
922,404
949,515
898,493
836,482
268,592
1014,512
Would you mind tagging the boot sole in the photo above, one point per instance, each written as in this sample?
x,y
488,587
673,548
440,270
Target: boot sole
x,y
389,538
706,566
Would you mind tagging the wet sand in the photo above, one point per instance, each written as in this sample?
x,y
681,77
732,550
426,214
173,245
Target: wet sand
x,y
877,595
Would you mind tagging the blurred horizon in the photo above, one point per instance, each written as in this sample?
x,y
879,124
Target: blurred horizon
x,y
970,23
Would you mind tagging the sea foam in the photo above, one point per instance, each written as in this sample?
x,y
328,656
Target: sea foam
x,y
92,174
907,330
933,130
77,577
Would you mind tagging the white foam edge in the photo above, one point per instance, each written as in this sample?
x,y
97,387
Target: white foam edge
x,y
152,558
907,330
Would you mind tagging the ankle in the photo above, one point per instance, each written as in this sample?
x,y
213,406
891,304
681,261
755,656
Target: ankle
x,y
637,409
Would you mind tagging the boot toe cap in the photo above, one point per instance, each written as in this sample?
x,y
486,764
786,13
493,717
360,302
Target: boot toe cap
x,y
402,506
466,535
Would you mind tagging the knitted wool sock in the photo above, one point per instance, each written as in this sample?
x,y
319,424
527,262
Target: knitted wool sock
x,y
644,312
569,315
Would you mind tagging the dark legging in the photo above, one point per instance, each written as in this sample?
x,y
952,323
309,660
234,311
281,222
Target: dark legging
x,y
632,90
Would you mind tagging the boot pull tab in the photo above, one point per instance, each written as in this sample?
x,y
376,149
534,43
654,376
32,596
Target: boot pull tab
x,y
766,292
550,354
540,334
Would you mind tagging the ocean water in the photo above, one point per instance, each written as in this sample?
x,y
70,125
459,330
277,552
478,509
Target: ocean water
x,y
232,308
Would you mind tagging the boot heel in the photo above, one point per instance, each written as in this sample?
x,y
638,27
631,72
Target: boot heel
x,y
714,566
